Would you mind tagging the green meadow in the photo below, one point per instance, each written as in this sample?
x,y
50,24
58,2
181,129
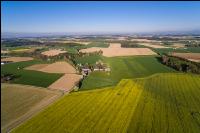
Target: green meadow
x,y
124,67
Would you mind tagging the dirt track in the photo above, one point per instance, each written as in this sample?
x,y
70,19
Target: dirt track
x,y
115,50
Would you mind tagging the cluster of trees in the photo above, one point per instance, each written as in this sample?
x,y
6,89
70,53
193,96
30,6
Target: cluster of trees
x,y
99,65
34,53
180,64
167,43
80,54
193,44
158,38
130,45
7,77
72,56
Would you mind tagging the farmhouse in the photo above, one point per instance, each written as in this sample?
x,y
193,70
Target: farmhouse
x,y
99,66
86,71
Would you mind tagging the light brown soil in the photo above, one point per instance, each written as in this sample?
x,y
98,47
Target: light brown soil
x,y
59,67
194,60
189,56
17,59
121,38
36,67
178,45
115,50
152,45
115,45
127,52
66,82
53,52
4,51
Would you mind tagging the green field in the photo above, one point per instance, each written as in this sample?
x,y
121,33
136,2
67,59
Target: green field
x,y
168,103
98,44
179,50
88,59
29,77
17,100
159,103
124,67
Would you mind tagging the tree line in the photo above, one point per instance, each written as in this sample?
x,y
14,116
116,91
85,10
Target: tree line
x,y
181,64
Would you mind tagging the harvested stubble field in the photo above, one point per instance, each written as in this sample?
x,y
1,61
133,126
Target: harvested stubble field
x,y
189,56
20,102
66,82
159,103
178,45
57,67
115,49
17,59
53,52
4,51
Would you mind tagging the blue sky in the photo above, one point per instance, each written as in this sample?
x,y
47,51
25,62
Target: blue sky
x,y
102,17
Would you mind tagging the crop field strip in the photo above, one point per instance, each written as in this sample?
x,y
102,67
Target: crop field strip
x,y
158,103
171,107
98,108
